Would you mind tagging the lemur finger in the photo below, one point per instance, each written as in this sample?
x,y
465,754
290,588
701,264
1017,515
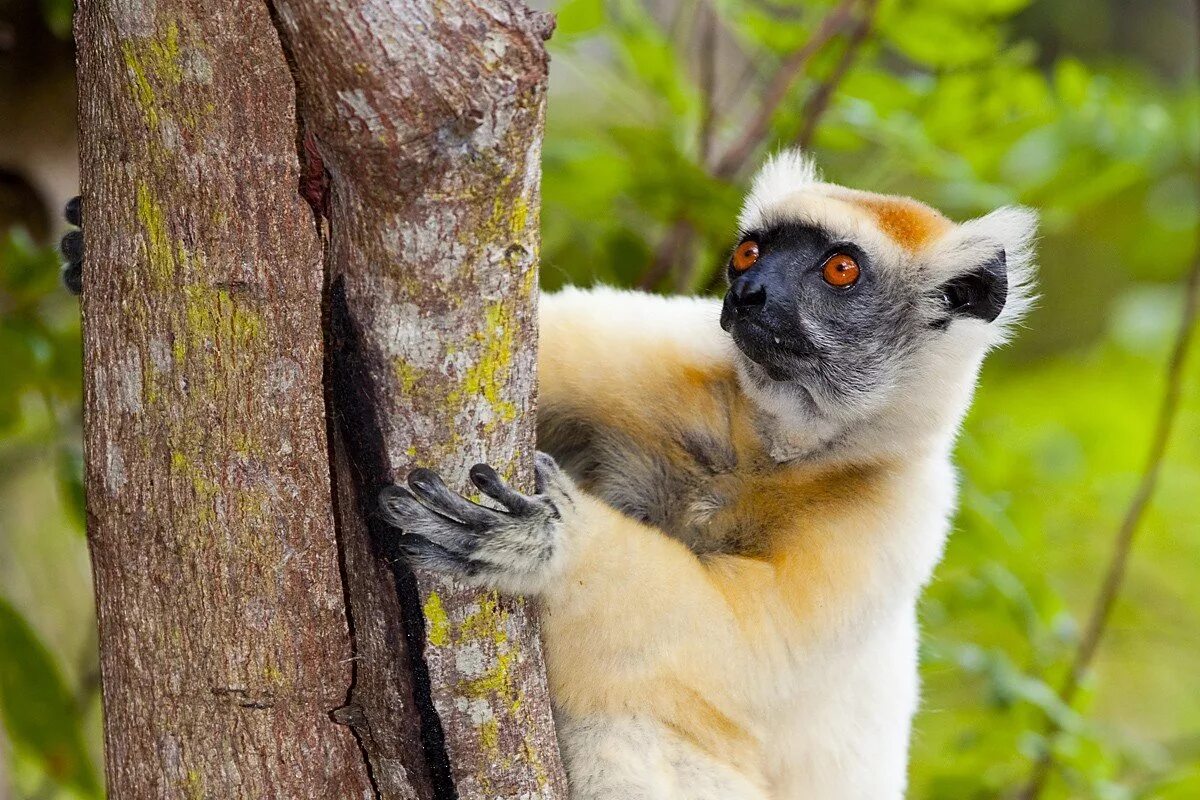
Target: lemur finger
x,y
431,490
552,482
414,519
72,278
71,246
74,211
396,504
491,484
422,552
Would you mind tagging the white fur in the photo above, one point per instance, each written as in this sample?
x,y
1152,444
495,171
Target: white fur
x,y
818,692
784,173
833,714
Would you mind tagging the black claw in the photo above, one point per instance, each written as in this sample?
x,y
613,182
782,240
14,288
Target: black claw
x,y
431,490
491,484
74,211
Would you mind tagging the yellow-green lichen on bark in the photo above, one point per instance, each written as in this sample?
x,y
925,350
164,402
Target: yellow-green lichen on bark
x,y
438,631
159,255
153,61
488,376
213,316
407,375
193,785
496,682
489,734
488,622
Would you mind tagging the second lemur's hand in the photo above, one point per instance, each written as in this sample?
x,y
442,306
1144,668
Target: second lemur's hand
x,y
72,248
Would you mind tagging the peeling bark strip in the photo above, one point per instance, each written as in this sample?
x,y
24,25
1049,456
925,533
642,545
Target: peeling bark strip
x,y
224,639
428,117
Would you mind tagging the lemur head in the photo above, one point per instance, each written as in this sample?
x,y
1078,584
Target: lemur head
x,y
868,315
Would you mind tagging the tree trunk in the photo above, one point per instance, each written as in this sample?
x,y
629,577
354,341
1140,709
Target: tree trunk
x,y
249,601
428,128
224,636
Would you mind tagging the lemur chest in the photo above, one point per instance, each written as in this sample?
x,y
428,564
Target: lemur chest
x,y
695,485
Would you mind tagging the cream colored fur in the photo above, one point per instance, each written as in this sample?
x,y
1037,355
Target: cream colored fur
x,y
790,676
759,642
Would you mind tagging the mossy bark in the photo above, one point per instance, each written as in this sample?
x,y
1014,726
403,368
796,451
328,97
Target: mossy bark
x,y
259,637
424,119
225,643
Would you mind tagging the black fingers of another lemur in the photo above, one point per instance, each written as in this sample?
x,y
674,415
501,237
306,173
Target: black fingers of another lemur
x,y
72,248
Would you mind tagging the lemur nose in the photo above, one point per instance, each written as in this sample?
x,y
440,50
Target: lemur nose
x,y
748,296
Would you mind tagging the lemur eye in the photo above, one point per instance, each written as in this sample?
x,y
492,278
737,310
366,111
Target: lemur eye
x,y
840,270
745,256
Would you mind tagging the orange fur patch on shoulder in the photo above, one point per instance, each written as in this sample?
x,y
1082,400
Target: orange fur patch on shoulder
x,y
911,223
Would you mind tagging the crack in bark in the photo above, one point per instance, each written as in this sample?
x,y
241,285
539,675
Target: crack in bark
x,y
378,188
308,160
354,411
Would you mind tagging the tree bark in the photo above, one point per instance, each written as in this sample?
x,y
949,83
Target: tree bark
x,y
224,636
427,127
249,599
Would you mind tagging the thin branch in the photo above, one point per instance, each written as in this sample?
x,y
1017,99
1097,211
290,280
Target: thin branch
x,y
667,254
818,102
1114,577
777,90
708,81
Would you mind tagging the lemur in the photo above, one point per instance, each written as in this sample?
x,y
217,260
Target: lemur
x,y
739,501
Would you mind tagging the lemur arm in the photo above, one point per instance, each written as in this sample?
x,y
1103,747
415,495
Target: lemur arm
x,y
611,353
625,605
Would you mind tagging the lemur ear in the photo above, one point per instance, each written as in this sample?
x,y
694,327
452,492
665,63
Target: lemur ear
x,y
980,293
990,261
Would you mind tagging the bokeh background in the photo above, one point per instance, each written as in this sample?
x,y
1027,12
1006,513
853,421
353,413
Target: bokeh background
x,y
1088,110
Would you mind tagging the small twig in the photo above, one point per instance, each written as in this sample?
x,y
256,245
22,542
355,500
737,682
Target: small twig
x,y
777,89
708,82
667,254
818,102
1114,577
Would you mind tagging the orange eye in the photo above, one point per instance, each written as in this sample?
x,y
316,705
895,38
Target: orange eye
x,y
840,270
745,256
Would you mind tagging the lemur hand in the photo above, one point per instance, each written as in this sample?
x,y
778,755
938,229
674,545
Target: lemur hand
x,y
516,550
72,248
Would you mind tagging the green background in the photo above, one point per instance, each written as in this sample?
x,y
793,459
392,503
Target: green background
x,y
1088,110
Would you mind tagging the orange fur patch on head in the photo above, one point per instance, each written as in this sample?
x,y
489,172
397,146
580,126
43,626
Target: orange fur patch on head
x,y
910,223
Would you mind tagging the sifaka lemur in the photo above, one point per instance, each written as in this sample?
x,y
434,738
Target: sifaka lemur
x,y
739,502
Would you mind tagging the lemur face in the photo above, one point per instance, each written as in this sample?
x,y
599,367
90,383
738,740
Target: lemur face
x,y
847,297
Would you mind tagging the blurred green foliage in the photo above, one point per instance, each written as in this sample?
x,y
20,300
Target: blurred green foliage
x,y
1087,110
968,105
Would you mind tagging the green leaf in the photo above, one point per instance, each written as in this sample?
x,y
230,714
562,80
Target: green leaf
x,y
40,715
578,18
